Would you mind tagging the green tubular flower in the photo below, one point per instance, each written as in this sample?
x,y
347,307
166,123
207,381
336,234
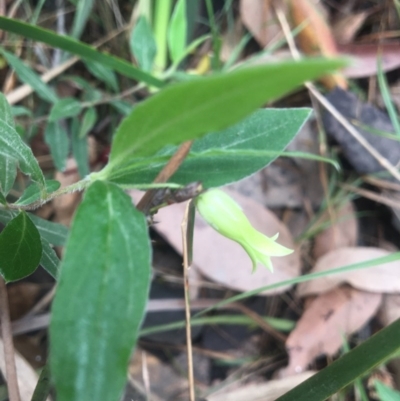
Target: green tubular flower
x,y
227,217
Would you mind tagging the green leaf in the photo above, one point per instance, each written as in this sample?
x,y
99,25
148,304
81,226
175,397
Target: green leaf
x,y
122,106
349,367
57,138
8,172
33,192
64,108
226,156
103,73
78,48
191,109
80,150
177,31
88,121
386,393
54,233
12,146
98,309
3,200
82,13
19,111
49,260
143,44
20,248
29,77
6,113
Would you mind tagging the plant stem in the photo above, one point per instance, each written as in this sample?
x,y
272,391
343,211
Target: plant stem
x,y
161,20
6,332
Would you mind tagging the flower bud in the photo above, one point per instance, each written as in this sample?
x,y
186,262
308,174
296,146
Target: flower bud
x,y
227,217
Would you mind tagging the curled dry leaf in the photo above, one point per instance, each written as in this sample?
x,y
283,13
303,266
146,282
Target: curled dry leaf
x,y
341,311
380,278
316,37
223,260
258,18
343,232
365,58
268,391
390,309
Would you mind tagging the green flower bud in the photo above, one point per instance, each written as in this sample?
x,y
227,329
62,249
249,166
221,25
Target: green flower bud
x,y
227,217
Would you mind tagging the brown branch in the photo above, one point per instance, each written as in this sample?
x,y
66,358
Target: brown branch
x,y
6,332
169,169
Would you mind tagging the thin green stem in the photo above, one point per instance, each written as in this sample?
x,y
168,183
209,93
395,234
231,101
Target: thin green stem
x,y
161,20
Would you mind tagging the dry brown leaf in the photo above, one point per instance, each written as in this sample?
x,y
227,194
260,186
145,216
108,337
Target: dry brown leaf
x,y
381,278
345,29
365,58
319,331
316,36
268,391
342,233
27,377
390,309
223,260
64,206
259,20
22,297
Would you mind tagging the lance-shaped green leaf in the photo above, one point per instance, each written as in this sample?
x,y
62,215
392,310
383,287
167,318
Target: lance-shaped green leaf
x,y
8,172
222,157
13,147
89,118
54,233
103,73
64,108
101,297
78,48
49,261
57,138
142,43
177,31
191,109
29,77
33,192
20,248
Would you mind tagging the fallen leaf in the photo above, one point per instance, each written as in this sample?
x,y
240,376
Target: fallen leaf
x,y
22,297
259,20
316,37
343,232
380,278
223,260
330,316
390,309
64,206
268,391
345,29
365,58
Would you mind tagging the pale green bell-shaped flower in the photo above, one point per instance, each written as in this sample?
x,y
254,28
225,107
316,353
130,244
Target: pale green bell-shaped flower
x,y
227,217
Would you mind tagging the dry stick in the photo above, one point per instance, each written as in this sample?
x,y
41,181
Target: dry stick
x,y
11,371
329,107
169,169
186,267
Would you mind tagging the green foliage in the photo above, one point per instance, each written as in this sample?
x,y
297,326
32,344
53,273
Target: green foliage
x,y
20,248
220,158
191,109
177,32
64,108
385,393
143,44
101,298
57,138
33,192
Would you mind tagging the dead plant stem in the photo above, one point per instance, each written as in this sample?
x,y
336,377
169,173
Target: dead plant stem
x,y
6,332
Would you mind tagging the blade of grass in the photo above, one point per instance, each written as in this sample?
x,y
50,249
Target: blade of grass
x,y
78,48
307,277
349,367
384,87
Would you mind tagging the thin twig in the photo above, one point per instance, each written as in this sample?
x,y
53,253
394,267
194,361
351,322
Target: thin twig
x,y
169,169
187,302
11,371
